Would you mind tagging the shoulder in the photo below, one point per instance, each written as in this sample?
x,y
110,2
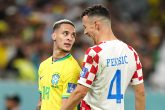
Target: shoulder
x,y
93,54
45,62
93,50
129,49
133,51
75,64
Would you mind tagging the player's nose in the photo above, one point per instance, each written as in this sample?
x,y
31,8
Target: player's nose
x,y
70,38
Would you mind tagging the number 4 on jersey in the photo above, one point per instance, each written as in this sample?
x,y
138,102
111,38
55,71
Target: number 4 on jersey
x,y
118,96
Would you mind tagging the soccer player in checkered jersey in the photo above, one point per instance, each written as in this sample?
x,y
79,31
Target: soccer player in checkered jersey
x,y
108,68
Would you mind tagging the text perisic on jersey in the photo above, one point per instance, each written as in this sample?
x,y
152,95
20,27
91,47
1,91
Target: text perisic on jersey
x,y
117,61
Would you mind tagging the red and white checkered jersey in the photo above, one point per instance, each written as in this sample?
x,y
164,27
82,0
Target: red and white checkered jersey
x,y
108,68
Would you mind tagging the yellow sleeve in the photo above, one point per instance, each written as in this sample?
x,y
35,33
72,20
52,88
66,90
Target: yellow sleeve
x,y
70,82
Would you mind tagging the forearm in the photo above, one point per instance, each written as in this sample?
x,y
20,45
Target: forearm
x,y
140,102
139,97
73,101
75,98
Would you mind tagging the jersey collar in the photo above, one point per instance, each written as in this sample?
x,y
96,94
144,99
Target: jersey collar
x,y
61,59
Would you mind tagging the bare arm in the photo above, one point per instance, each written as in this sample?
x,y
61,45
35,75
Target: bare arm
x,y
64,101
39,104
75,98
139,96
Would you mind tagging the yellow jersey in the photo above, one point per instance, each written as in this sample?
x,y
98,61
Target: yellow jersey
x,y
57,79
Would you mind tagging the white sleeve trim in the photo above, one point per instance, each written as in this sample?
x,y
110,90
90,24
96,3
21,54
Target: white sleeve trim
x,y
84,84
136,83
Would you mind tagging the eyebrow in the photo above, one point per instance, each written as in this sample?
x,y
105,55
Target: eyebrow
x,y
66,31
74,33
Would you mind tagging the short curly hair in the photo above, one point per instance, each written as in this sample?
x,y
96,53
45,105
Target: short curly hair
x,y
96,10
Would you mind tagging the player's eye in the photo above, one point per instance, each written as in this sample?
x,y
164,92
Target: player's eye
x,y
74,35
65,33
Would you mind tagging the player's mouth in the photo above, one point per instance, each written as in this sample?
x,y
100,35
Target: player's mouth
x,y
67,44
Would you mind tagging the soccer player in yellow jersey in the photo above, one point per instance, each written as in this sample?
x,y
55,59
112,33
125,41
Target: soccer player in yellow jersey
x,y
59,73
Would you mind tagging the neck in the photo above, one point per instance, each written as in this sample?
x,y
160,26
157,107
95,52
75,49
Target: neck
x,y
105,35
58,53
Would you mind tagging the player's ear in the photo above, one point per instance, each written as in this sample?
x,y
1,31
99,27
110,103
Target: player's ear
x,y
53,36
97,25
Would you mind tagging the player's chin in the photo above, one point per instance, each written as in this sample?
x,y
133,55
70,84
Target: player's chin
x,y
67,49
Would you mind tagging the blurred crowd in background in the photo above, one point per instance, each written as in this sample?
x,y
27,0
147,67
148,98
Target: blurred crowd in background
x,y
26,27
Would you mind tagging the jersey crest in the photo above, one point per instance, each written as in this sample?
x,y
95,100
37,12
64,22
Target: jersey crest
x,y
55,79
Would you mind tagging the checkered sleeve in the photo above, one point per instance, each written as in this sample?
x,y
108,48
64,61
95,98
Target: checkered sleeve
x,y
137,77
90,66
